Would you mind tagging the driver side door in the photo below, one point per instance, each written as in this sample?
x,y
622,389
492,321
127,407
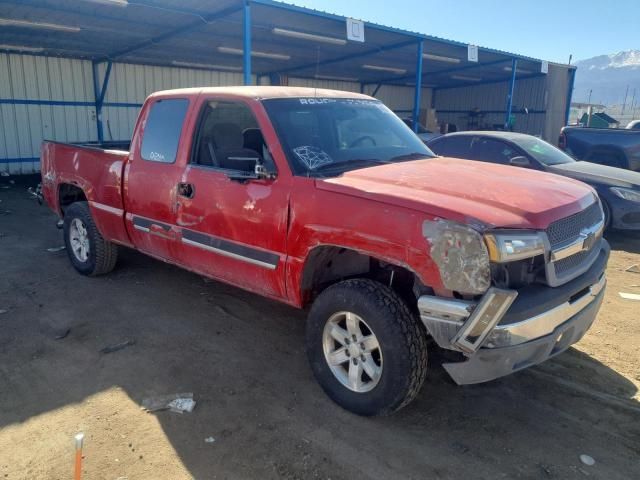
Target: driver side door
x,y
233,230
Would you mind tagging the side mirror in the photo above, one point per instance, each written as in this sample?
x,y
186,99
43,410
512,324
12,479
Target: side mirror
x,y
260,172
520,161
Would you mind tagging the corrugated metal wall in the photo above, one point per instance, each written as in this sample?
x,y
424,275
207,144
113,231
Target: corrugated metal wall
x,y
557,87
42,97
130,84
454,104
53,98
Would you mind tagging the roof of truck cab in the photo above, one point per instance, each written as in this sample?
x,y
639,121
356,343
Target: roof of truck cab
x,y
264,92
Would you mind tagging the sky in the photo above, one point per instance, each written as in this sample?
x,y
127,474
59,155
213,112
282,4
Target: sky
x,y
546,29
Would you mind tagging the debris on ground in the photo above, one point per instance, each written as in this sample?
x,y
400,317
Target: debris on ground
x,y
629,296
178,403
633,268
587,460
3,311
60,334
209,440
4,174
56,249
5,212
117,346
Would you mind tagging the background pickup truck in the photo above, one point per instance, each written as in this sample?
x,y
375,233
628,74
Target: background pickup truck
x,y
326,200
615,147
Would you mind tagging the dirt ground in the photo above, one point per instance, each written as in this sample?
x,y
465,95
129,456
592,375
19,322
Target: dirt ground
x,y
243,358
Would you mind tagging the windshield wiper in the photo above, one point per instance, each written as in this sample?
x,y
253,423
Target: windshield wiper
x,y
411,156
339,165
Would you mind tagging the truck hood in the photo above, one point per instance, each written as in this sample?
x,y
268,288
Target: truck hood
x,y
598,174
476,193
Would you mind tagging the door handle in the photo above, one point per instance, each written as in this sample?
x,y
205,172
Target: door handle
x,y
186,190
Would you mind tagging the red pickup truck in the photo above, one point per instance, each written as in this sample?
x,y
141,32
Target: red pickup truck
x,y
326,200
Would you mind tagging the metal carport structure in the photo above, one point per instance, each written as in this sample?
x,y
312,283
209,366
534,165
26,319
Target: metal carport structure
x,y
264,41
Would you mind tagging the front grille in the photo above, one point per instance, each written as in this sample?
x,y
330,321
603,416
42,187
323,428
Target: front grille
x,y
567,265
566,230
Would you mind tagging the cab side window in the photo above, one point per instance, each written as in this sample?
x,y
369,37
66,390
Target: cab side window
x,y
229,138
491,150
162,130
457,147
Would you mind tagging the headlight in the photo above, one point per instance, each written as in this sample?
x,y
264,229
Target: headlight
x,y
509,247
460,254
631,195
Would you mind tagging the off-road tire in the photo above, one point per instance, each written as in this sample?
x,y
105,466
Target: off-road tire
x,y
103,254
401,336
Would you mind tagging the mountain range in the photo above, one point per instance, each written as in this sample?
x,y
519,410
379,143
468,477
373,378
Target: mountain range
x,y
607,76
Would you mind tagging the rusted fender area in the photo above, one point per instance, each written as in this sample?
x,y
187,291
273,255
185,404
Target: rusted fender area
x,y
324,218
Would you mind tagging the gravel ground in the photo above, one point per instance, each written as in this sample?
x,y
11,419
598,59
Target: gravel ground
x,y
243,358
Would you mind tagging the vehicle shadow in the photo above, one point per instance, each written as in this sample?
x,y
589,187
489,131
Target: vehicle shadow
x,y
243,358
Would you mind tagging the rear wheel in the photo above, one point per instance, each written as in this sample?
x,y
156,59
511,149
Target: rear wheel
x,y
366,349
88,251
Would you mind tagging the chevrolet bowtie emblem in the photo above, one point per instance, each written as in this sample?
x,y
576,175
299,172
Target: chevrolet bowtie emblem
x,y
588,240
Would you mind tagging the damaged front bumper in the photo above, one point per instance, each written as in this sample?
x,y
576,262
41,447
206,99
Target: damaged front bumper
x,y
507,331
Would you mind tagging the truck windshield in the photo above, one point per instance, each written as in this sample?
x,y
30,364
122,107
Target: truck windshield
x,y
544,152
325,137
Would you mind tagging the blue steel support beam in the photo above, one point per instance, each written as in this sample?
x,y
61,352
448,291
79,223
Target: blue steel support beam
x,y
99,93
105,83
246,43
418,90
375,90
567,112
512,86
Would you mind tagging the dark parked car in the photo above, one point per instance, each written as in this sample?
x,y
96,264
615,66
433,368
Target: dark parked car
x,y
618,189
616,147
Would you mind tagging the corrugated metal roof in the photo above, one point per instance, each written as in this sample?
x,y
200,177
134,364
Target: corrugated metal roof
x,y
163,32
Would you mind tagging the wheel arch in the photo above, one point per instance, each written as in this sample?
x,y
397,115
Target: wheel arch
x,y
69,193
326,264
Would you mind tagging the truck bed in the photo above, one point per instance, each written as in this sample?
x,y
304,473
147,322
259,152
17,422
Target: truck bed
x,y
92,170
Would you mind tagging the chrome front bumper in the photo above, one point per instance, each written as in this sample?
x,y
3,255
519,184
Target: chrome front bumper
x,y
500,349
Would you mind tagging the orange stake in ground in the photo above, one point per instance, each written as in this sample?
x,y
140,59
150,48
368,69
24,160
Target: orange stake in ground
x,y
78,468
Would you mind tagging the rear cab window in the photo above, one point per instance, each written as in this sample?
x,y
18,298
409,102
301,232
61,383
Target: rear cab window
x,y
163,129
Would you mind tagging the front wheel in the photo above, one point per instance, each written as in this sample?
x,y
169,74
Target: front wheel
x,y
366,349
88,251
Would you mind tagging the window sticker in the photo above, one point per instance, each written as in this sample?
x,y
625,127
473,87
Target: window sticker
x,y
313,157
536,148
